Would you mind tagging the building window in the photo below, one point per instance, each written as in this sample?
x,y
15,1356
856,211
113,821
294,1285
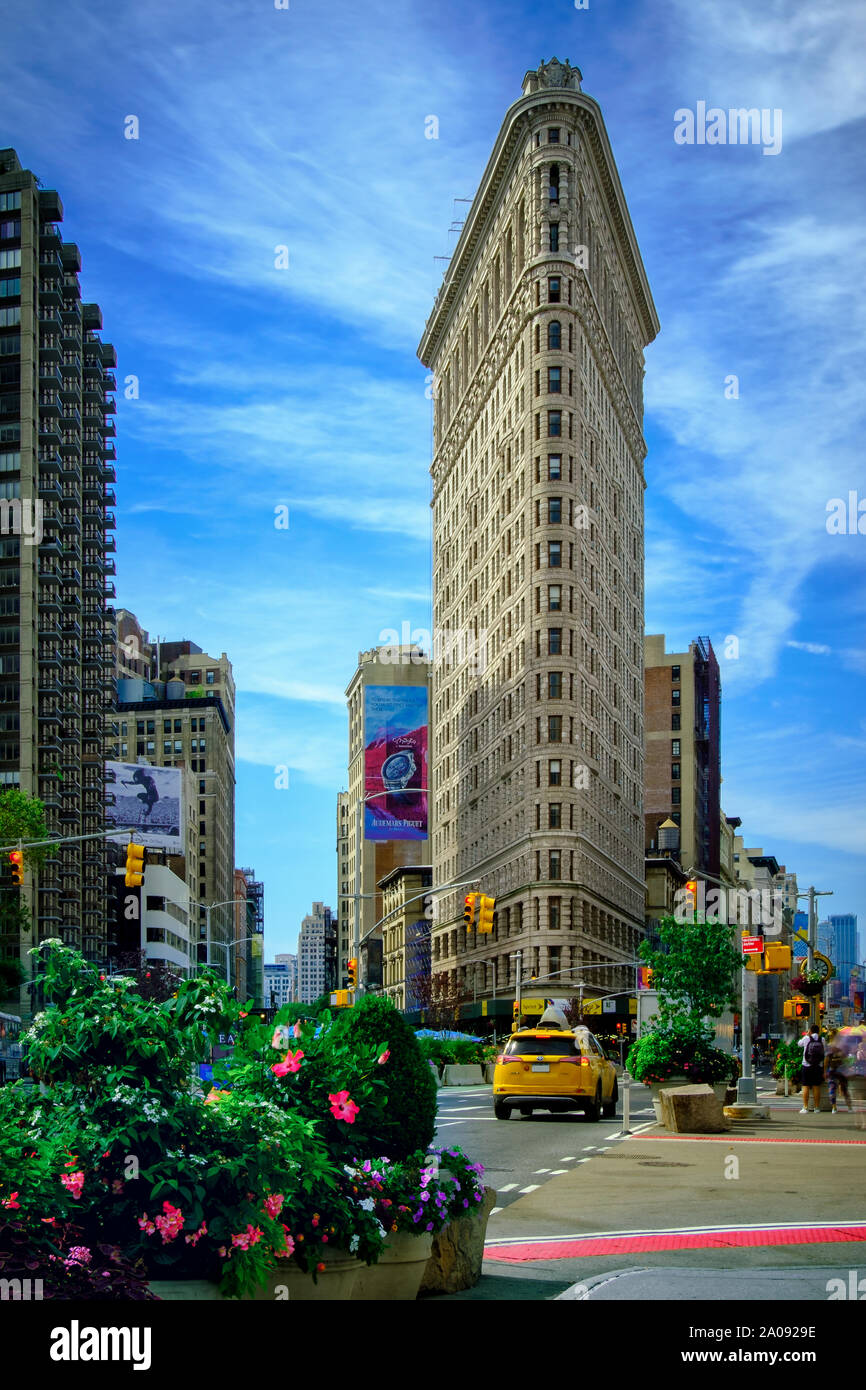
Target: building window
x,y
210,677
554,423
554,773
554,467
178,746
139,726
554,815
675,748
554,510
675,697
553,136
554,728
554,236
554,335
554,598
166,748
554,289
554,685
554,913
166,726
675,772
554,381
675,673
201,788
555,866
554,554
675,721
554,641
178,726
151,726
675,796
553,188
150,745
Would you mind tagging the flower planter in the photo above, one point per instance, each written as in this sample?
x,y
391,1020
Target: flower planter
x,y
458,1251
335,1283
398,1273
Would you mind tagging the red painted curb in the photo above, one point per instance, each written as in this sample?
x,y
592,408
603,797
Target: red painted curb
x,y
746,1139
664,1240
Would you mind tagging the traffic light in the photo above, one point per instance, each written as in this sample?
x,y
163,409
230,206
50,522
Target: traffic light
x,y
352,970
777,957
801,1008
134,865
822,1007
692,890
486,908
469,909
16,859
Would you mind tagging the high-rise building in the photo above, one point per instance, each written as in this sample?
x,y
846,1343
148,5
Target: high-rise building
x,y
281,980
186,719
683,748
535,345
380,669
253,936
845,944
56,557
317,954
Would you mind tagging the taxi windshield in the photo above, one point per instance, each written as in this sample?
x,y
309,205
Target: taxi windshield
x,y
541,1047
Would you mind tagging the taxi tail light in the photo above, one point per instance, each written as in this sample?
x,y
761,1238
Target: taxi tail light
x,y
574,1061
500,1059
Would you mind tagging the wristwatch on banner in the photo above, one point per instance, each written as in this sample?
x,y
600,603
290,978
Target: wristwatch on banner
x,y
397,769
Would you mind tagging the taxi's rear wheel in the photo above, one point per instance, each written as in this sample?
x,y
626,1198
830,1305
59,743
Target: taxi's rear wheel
x,y
593,1108
502,1112
609,1107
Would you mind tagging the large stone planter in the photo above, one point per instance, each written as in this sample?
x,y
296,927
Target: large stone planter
x,y
694,1109
397,1274
462,1074
656,1088
455,1260
286,1283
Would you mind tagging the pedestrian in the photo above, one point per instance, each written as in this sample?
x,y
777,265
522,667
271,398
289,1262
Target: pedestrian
x,y
834,1064
812,1075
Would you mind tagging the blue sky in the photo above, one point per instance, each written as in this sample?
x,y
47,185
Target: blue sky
x,y
261,386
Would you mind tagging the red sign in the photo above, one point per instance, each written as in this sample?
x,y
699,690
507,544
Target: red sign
x,y
752,945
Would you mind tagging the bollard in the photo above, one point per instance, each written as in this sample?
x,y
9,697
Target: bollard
x,y
625,1080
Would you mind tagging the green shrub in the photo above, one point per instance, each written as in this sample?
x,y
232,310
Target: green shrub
x,y
405,1119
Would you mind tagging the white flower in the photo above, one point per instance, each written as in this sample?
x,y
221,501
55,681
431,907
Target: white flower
x,y
354,1243
367,1204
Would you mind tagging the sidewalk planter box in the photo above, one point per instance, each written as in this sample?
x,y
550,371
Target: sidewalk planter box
x,y
656,1088
173,1290
458,1250
286,1282
461,1075
398,1273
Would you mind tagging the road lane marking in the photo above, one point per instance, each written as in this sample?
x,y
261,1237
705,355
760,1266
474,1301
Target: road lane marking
x,y
494,1210
507,1187
539,1171
533,1187
555,1172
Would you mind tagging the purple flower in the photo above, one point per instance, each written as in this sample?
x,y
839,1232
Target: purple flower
x,y
430,1226
465,1202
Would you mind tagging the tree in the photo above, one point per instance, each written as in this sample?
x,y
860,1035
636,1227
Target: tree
x,y
22,817
155,979
697,970
439,999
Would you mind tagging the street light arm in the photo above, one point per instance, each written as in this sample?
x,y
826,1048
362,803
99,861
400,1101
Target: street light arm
x,y
443,888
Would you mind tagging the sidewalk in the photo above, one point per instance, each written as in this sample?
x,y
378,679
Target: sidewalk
x,y
773,1209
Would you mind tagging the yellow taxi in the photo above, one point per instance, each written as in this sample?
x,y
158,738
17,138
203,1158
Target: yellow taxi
x,y
554,1068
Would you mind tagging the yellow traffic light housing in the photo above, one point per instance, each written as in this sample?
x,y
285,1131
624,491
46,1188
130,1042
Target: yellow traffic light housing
x,y
134,865
352,972
777,957
470,902
486,908
692,890
16,859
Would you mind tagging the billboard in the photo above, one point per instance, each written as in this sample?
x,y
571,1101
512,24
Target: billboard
x,y
148,800
395,762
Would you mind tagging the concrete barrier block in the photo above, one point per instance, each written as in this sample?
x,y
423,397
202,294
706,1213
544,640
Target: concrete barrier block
x,y
692,1110
462,1075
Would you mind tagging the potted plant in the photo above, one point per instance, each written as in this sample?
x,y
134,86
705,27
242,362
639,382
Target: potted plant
x,y
808,982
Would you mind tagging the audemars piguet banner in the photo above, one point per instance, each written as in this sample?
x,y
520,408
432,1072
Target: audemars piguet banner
x,y
395,762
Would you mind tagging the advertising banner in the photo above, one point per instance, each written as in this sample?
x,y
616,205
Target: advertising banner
x,y
148,800
395,762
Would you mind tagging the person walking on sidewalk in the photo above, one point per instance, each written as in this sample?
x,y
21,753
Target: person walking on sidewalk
x,y
834,1063
812,1075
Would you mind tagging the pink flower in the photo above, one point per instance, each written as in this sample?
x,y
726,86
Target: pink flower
x,y
297,1030
251,1236
290,1244
274,1205
146,1225
170,1224
342,1108
73,1182
117,1186
383,1059
11,1202
78,1255
290,1063
196,1235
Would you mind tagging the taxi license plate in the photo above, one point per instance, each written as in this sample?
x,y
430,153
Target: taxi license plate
x,y
541,1066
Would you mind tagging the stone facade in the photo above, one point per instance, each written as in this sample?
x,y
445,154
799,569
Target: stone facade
x,y
536,345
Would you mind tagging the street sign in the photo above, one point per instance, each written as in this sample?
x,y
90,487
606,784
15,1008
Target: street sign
x,y
608,1006
532,1006
752,945
483,1008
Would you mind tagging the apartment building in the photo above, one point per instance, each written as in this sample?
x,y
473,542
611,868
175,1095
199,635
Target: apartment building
x,y
683,748
535,345
56,557
317,954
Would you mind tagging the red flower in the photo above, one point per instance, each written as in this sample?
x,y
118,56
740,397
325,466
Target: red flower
x,y
342,1108
11,1203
